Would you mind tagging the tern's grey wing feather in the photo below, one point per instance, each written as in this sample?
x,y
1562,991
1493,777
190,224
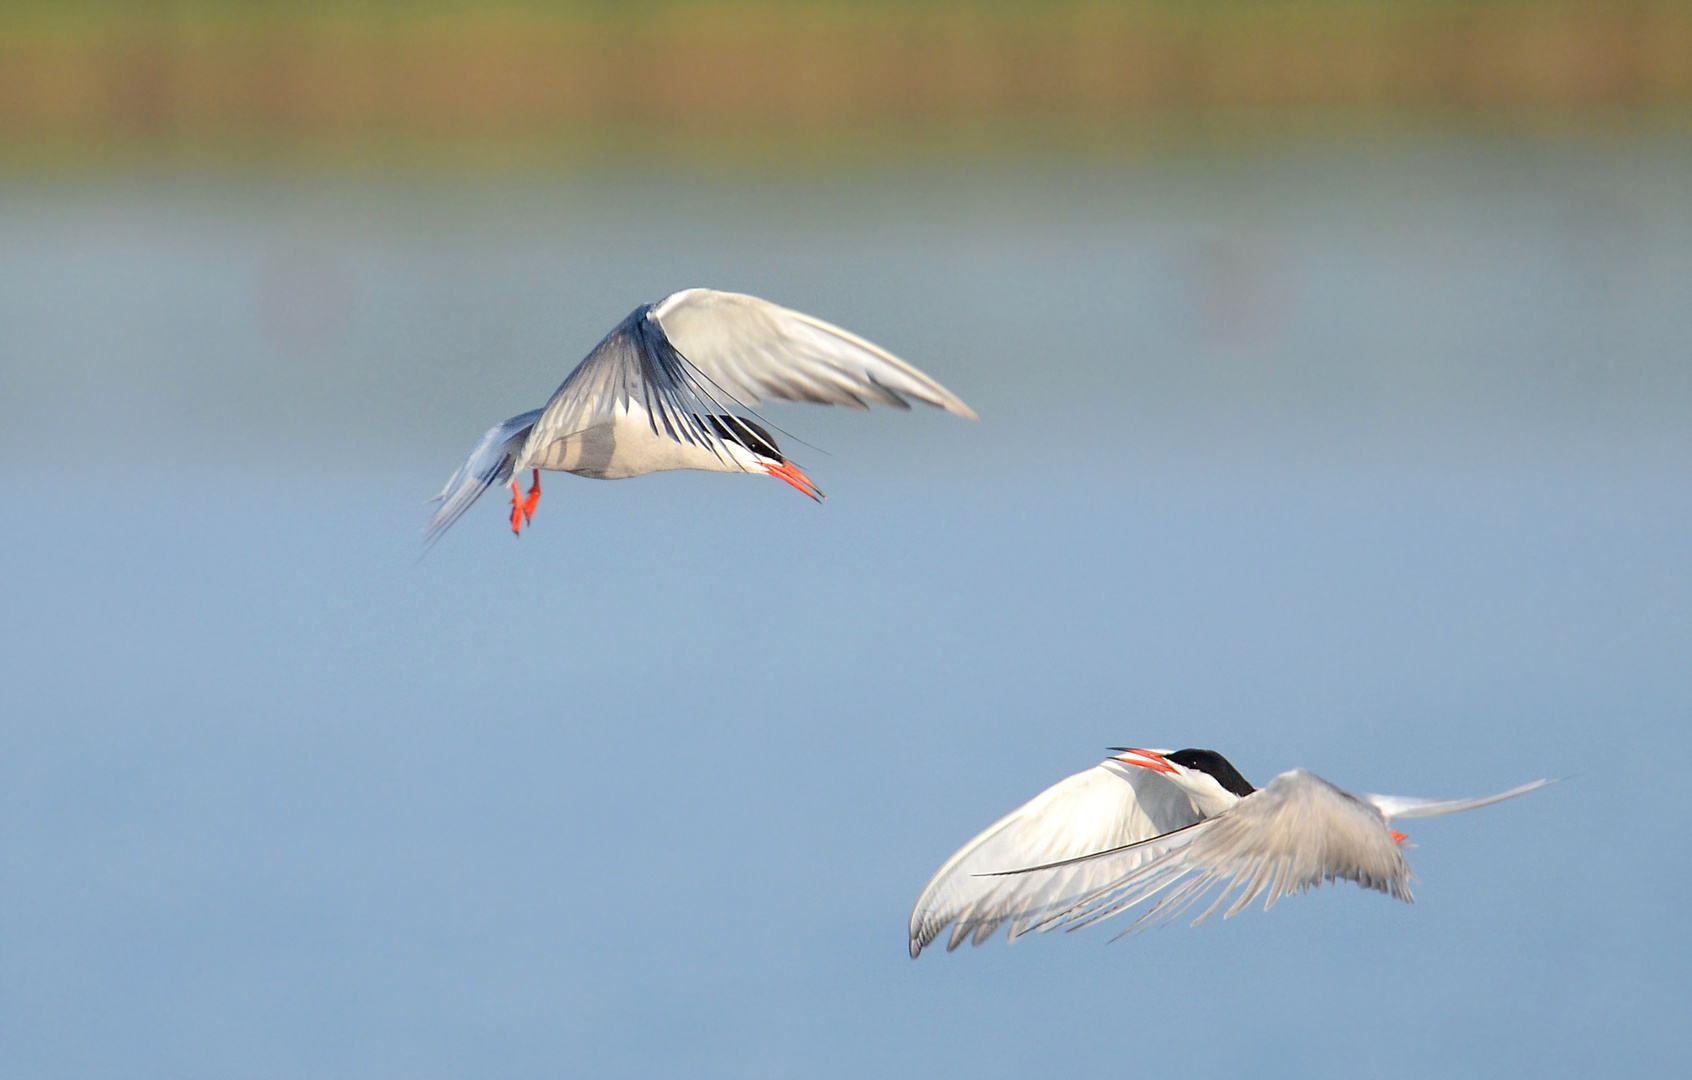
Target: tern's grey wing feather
x,y
1293,835
1402,806
752,349
603,383
1103,807
635,369
488,464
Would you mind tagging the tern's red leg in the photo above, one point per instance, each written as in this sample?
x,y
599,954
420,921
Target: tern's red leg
x,y
516,509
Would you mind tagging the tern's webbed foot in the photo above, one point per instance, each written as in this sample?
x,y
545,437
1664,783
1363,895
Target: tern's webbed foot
x,y
523,506
532,500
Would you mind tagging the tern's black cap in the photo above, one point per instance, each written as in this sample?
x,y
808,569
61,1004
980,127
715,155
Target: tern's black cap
x,y
1209,761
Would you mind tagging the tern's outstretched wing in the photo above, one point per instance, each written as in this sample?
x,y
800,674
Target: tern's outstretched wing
x,y
488,464
700,352
1296,833
754,349
1107,806
1398,806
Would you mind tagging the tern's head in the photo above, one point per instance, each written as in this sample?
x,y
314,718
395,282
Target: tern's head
x,y
750,447
742,435
1207,777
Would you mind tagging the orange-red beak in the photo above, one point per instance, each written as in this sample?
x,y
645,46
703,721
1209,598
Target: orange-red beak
x,y
1146,759
790,472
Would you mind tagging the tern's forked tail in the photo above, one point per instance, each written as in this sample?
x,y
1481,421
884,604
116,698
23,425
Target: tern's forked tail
x,y
489,463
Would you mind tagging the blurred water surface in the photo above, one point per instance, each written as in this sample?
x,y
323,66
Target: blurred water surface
x,y
1371,458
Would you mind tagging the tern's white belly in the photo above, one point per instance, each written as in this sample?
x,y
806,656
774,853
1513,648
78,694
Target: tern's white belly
x,y
628,446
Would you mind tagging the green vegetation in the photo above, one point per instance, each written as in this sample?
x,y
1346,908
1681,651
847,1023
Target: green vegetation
x,y
218,78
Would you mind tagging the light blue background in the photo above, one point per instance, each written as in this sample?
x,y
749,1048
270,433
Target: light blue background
x,y
1368,458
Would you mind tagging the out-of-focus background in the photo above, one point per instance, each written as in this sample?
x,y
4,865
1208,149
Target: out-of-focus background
x,y
1334,363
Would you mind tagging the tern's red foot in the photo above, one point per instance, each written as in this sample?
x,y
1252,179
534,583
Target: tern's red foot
x,y
531,500
790,472
1398,837
523,506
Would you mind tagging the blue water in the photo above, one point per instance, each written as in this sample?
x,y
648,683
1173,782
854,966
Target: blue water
x,y
1372,460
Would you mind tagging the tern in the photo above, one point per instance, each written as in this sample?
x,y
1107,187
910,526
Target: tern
x,y
1175,823
662,392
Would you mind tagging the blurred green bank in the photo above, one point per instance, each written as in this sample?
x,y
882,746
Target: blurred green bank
x,y
88,81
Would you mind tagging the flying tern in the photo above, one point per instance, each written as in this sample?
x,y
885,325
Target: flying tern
x,y
1168,826
665,390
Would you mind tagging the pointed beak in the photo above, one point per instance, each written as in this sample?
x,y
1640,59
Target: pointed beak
x,y
1145,759
790,472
